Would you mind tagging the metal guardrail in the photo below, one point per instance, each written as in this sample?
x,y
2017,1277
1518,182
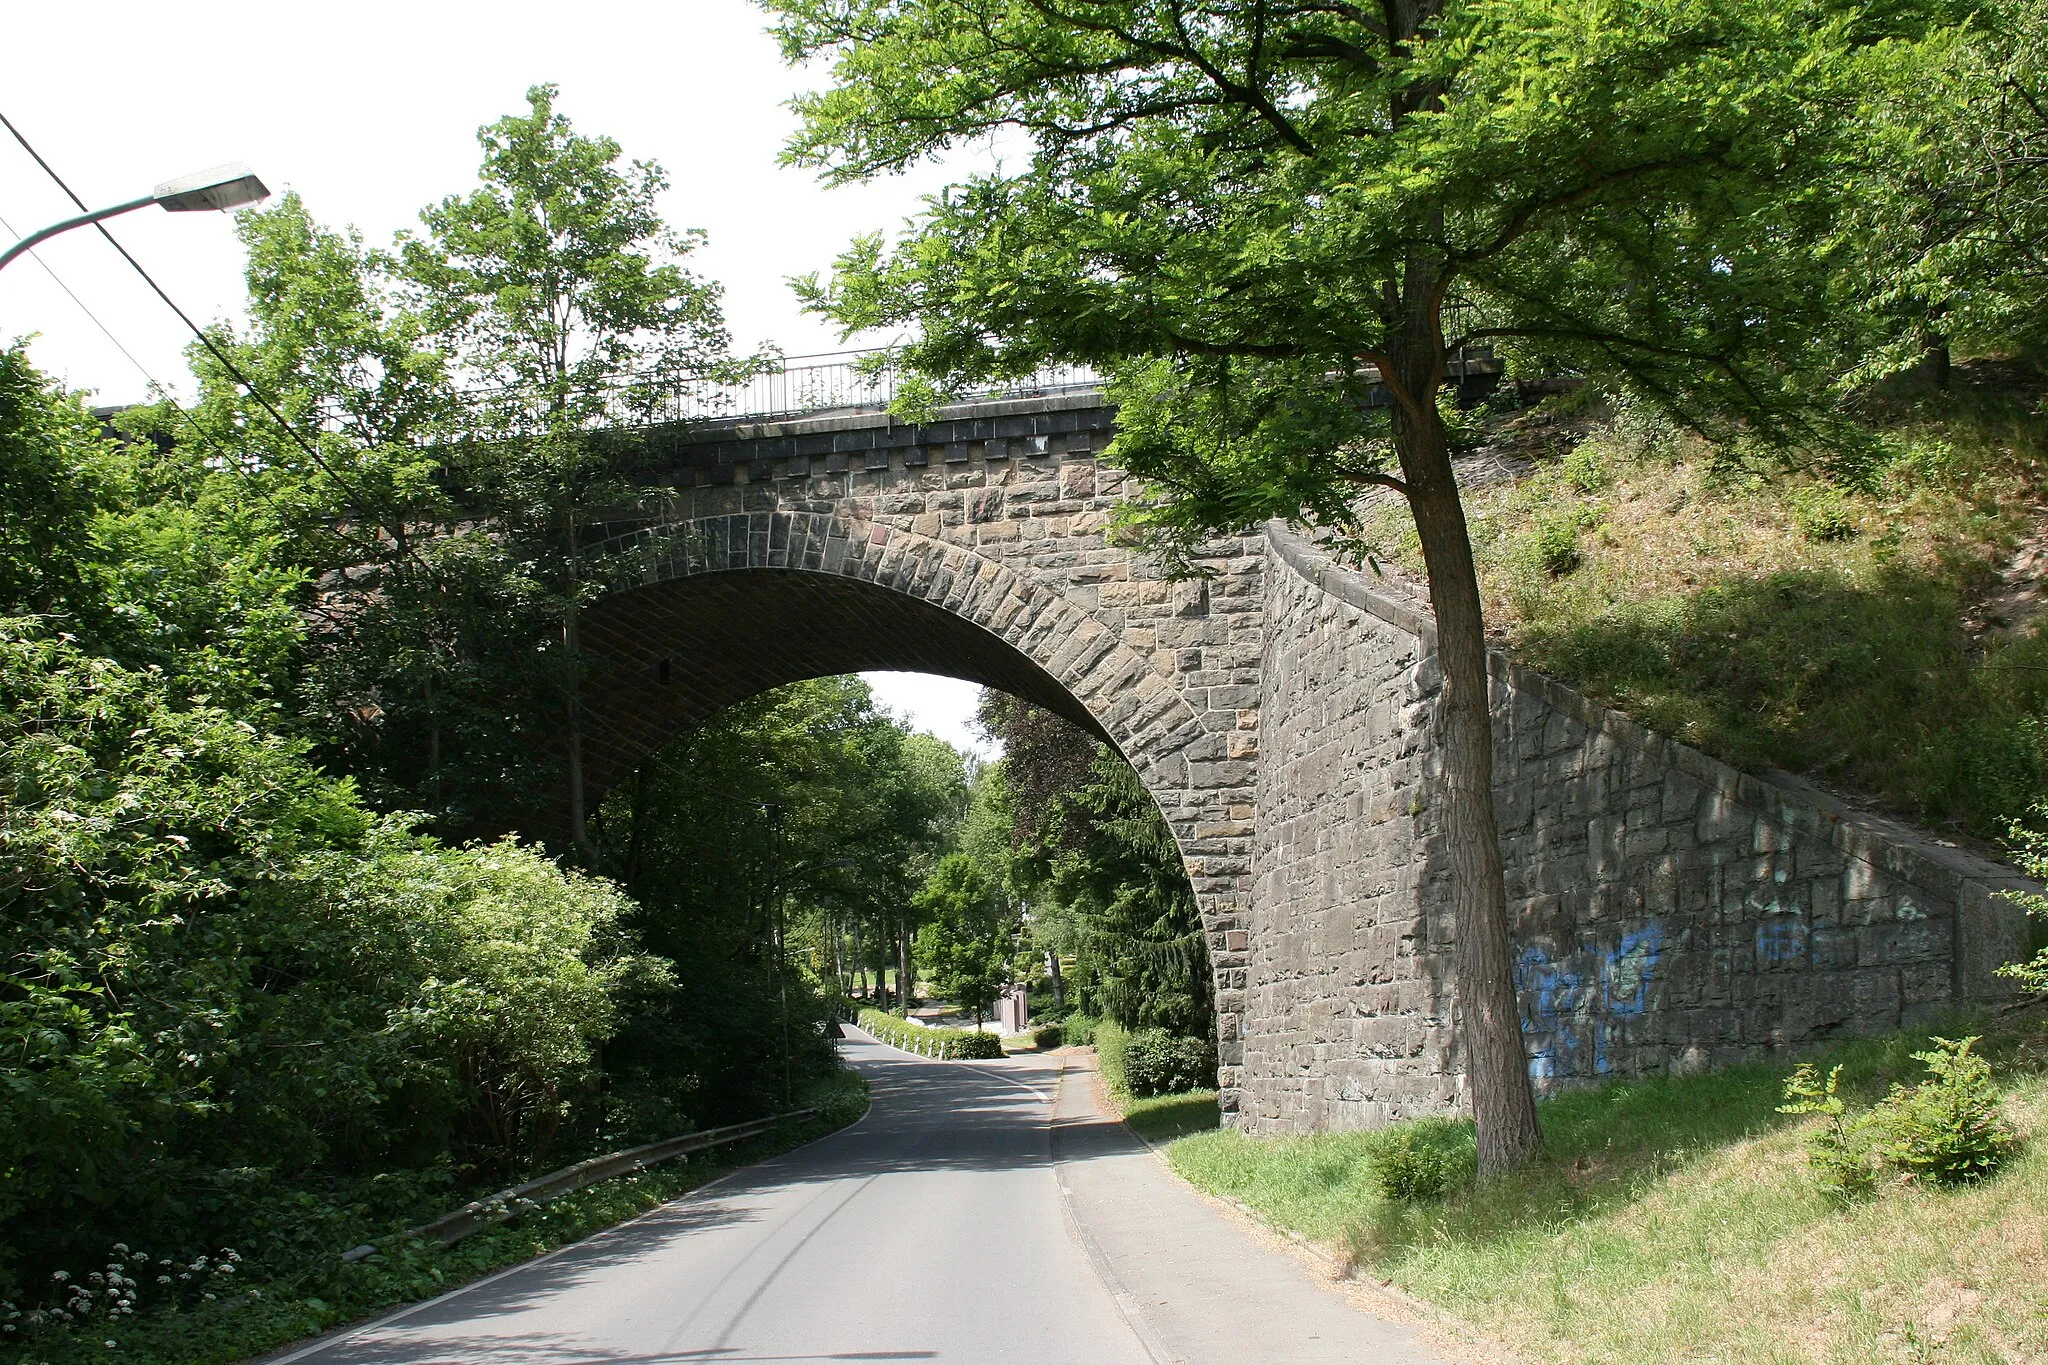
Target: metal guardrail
x,y
493,1209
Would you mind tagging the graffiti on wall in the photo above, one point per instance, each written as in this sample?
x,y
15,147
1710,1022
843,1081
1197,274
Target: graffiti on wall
x,y
1575,1009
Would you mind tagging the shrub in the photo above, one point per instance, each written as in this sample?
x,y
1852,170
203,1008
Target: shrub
x,y
1945,1129
1425,1159
1112,1044
1158,1063
1840,1150
1821,512
1080,1030
1554,545
946,1044
1049,1036
1586,468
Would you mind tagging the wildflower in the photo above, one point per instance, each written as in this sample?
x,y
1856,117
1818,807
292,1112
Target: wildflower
x,y
113,1346
163,1279
121,1247
60,1275
207,1297
226,1269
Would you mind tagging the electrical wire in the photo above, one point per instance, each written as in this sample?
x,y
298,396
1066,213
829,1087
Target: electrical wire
x,y
105,330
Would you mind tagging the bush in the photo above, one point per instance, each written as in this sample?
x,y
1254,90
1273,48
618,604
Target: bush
x,y
1821,512
1945,1129
946,1044
1839,1151
1080,1030
1426,1159
1156,1062
1585,468
1049,1036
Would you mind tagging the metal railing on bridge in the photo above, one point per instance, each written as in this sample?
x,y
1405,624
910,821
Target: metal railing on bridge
x,y
795,386
840,381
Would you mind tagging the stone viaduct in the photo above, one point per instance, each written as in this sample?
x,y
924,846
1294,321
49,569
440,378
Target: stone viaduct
x,y
1669,911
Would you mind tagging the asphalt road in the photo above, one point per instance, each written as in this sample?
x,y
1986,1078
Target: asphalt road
x,y
956,1222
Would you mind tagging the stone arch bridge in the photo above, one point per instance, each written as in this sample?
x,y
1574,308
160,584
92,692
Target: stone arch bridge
x,y
1669,911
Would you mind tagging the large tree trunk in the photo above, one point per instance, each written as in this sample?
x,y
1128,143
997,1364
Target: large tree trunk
x,y
1059,985
1503,1102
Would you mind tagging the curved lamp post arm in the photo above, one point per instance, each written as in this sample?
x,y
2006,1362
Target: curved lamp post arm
x,y
223,187
69,223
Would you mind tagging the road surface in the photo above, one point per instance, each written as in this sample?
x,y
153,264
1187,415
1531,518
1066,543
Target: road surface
x,y
981,1212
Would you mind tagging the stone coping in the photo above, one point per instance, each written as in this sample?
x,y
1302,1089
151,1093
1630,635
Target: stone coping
x,y
1974,883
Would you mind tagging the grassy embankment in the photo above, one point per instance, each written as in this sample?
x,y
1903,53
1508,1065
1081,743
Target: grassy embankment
x,y
1677,1219
317,1291
1875,634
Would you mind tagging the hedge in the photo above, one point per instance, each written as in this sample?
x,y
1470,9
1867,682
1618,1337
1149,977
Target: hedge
x,y
947,1044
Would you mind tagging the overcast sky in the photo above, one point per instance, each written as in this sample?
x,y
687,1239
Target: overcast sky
x,y
369,110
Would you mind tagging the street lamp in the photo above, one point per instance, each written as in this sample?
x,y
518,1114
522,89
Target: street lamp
x,y
223,187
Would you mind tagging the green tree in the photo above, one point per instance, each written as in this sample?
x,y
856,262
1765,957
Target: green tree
x,y
1955,217
1261,216
1099,866
967,940
737,825
558,290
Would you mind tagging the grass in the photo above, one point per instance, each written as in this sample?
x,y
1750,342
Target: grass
x,y
329,1292
1675,1219
1157,1118
1162,1118
1787,621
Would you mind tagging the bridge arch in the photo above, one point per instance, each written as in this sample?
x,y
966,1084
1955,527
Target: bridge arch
x,y
726,604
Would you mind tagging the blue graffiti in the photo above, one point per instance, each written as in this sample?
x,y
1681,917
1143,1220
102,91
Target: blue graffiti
x,y
1781,938
1565,1017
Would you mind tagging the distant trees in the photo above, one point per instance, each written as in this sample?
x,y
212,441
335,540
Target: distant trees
x,y
1086,847
730,831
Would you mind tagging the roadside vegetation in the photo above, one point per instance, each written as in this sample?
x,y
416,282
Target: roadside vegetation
x,y
309,1290
281,973
1692,1218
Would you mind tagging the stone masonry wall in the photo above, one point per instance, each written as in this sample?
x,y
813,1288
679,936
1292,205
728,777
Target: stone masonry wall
x,y
1669,912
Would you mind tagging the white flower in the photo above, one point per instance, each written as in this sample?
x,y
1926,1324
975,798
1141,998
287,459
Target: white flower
x,y
60,1275
121,1247
163,1279
207,1297
226,1269
113,1346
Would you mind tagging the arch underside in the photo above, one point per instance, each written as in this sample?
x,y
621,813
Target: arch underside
x,y
669,655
